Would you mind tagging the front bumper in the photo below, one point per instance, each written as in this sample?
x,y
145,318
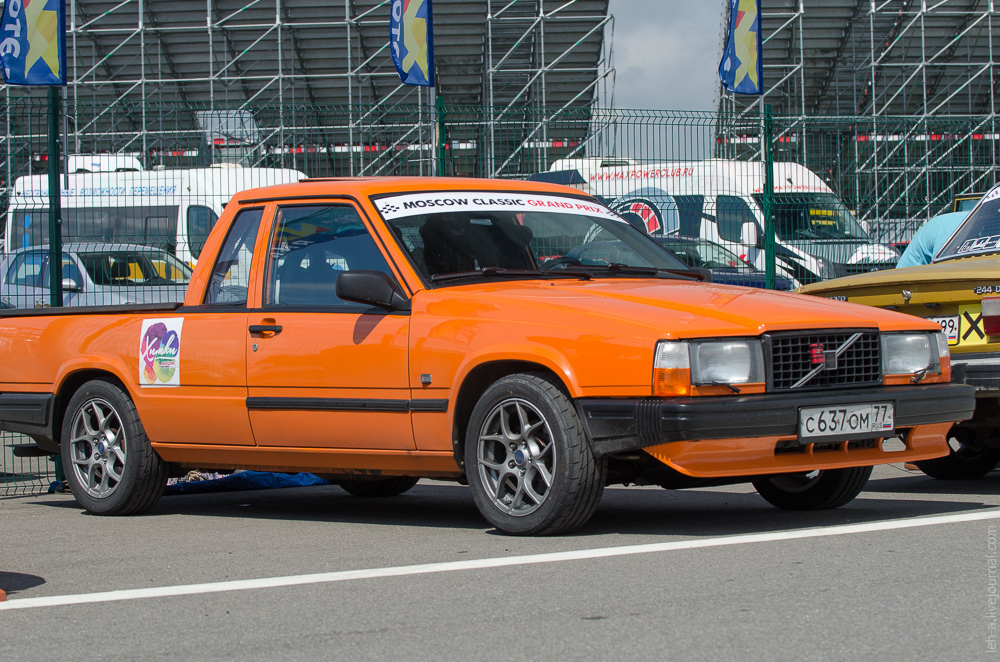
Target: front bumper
x,y
619,425
981,370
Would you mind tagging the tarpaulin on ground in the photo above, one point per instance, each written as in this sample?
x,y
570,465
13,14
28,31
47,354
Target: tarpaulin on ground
x,y
246,480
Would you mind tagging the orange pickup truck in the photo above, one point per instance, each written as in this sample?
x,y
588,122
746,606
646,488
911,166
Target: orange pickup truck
x,y
518,336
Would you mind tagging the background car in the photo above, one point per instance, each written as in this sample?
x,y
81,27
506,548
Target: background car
x,y
725,265
959,291
95,275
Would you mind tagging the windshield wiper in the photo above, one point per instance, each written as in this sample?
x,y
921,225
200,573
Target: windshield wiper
x,y
618,267
514,273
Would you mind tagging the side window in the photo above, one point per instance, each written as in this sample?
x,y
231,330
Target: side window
x,y
28,270
312,245
689,208
732,213
200,221
231,273
10,278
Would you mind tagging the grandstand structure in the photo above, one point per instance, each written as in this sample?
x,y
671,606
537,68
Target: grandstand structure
x,y
312,83
894,100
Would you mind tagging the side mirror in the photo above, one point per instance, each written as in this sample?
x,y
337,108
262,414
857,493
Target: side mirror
x,y
749,235
70,285
371,287
866,226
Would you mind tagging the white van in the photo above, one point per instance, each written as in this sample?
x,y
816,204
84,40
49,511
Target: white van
x,y
816,236
170,209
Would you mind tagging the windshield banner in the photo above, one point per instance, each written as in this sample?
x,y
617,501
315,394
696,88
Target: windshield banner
x,y
414,204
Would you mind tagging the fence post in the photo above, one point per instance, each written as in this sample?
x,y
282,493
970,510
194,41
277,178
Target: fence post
x,y
768,198
442,168
55,211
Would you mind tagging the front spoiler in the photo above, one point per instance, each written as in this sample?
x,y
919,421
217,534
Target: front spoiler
x,y
620,425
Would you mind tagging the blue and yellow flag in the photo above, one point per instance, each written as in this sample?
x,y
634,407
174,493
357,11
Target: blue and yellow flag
x,y
33,42
741,69
411,40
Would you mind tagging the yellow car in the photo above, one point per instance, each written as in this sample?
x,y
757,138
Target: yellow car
x,y
960,290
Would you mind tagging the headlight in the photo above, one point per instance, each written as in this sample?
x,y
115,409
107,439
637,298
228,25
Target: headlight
x,y
912,353
727,362
680,364
825,269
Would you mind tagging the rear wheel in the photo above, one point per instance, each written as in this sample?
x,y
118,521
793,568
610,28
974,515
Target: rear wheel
x,y
966,460
110,465
381,487
814,490
529,465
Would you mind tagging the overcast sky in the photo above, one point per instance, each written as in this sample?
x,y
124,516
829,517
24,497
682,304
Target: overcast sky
x,y
667,53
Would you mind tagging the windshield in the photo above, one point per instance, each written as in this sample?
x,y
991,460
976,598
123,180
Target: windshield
x,y
129,269
810,216
705,254
979,233
510,234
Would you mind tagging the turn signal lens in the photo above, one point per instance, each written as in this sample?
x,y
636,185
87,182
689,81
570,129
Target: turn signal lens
x,y
991,316
942,344
672,369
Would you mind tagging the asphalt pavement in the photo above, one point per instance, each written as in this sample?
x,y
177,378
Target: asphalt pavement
x,y
904,572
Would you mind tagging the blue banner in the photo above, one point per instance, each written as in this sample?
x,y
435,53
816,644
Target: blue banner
x,y
741,69
411,40
33,42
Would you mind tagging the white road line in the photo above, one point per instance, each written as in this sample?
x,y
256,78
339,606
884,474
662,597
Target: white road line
x,y
478,564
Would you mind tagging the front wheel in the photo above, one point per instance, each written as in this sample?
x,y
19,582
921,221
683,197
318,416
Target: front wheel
x,y
814,490
966,459
529,465
110,465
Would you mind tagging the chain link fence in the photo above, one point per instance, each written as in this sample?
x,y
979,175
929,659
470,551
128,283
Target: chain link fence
x,y
143,184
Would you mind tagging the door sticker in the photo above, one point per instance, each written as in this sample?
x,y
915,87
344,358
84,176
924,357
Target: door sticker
x,y
160,352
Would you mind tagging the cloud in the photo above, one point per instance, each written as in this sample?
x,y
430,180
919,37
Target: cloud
x,y
667,53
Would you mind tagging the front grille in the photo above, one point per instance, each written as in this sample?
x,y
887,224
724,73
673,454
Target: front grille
x,y
790,358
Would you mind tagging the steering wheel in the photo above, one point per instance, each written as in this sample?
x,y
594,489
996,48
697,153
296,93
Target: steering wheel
x,y
563,261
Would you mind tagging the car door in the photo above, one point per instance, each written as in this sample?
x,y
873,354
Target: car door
x,y
207,404
323,372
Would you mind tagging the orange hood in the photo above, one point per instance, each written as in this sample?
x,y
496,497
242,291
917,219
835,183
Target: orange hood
x,y
660,308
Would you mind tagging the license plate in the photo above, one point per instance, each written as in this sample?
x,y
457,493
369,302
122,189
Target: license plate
x,y
846,422
951,325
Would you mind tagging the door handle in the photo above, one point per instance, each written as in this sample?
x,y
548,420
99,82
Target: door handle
x,y
255,329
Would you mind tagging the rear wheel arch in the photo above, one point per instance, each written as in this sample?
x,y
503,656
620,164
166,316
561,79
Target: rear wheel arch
x,y
475,383
68,387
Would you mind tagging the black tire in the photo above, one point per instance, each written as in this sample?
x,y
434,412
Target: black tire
x,y
381,487
124,476
967,461
819,490
539,476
